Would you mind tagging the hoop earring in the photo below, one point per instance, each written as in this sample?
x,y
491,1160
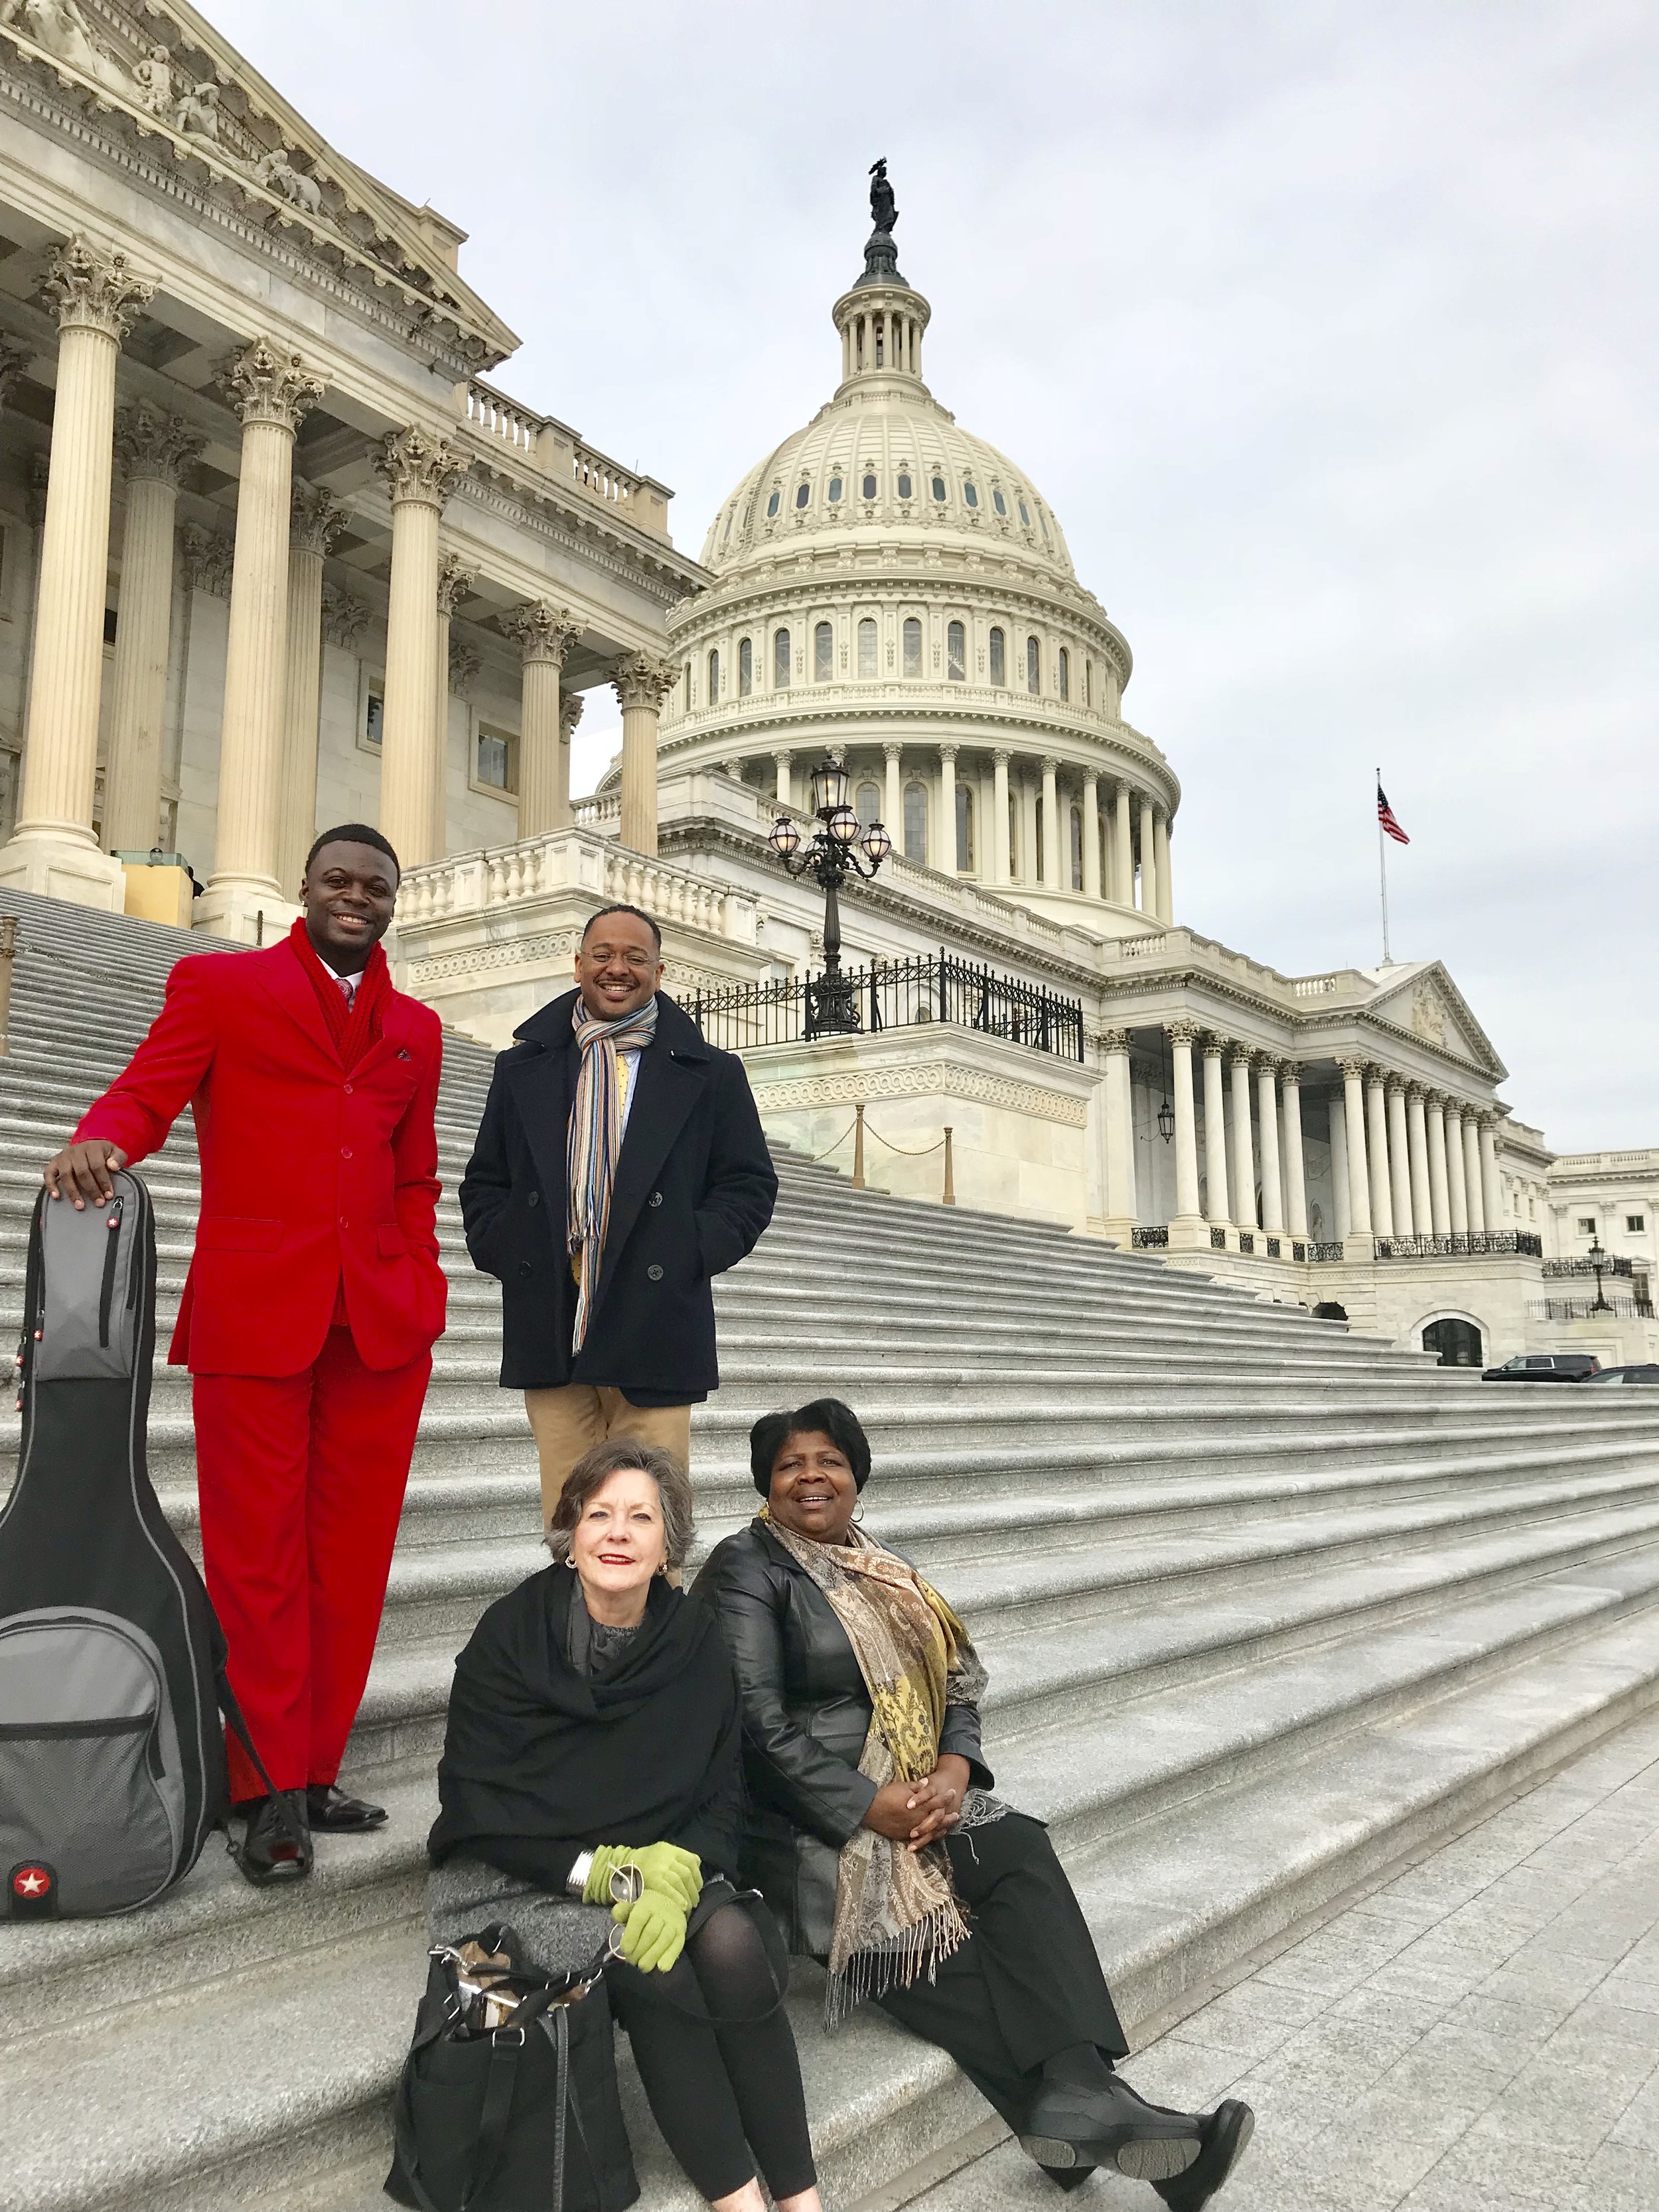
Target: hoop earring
x,y
858,1514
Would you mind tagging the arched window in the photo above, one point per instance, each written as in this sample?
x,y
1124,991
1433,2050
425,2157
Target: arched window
x,y
912,647
1454,1343
715,678
867,804
1044,519
997,500
1065,673
802,493
1088,683
939,489
1033,664
687,687
730,517
916,822
904,484
999,657
970,492
956,652
834,490
869,486
780,659
1025,515
824,654
772,504
867,648
745,666
964,827
1013,836
1041,870
1077,849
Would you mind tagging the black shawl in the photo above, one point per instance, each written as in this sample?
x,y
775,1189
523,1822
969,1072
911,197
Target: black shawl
x,y
541,1761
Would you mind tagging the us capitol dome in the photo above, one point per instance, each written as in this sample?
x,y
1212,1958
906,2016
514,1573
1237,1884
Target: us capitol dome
x,y
895,594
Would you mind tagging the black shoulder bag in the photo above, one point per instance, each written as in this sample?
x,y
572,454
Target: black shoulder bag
x,y
507,2101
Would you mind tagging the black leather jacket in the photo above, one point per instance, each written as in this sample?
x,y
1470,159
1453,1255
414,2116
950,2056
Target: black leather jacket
x,y
805,1715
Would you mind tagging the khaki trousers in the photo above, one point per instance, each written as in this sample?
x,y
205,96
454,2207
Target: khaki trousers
x,y
568,1421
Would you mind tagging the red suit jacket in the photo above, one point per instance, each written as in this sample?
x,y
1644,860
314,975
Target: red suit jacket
x,y
313,1178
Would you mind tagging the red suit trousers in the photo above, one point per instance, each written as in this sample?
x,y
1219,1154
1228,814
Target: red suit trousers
x,y
302,1479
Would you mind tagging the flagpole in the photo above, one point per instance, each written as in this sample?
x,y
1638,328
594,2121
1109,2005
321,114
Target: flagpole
x,y
1382,870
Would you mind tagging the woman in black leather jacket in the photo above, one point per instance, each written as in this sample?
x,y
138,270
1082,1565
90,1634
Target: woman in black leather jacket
x,y
873,1835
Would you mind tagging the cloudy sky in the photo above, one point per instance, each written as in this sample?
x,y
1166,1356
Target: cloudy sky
x,y
1329,331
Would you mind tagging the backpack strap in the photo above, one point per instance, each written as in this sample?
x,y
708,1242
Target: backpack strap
x,y
233,1713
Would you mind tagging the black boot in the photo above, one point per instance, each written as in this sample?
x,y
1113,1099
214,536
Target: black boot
x,y
276,1845
1226,2131
1072,2124
328,1807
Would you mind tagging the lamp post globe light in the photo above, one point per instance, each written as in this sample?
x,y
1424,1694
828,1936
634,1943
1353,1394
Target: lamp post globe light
x,y
839,846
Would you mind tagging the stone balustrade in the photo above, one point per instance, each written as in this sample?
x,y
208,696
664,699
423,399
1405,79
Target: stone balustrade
x,y
576,859
552,448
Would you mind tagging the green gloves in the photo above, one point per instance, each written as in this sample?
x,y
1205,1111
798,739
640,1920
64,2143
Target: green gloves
x,y
655,1933
665,1868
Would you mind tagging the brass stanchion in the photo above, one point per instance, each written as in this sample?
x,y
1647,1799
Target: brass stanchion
x,y
949,1172
8,957
858,1150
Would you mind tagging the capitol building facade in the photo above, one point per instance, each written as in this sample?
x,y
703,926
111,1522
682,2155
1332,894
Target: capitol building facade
x,y
278,548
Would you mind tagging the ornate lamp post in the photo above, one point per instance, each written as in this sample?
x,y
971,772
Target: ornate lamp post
x,y
836,851
1598,1260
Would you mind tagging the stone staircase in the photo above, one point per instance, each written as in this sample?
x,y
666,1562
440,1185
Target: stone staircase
x,y
1265,1603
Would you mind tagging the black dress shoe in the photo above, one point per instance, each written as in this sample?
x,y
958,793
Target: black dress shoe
x,y
1226,2131
276,1845
1070,2125
336,1814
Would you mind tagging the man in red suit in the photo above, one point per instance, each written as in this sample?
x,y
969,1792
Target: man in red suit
x,y
314,1299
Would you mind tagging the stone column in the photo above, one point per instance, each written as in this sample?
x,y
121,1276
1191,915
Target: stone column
x,y
1030,874
1439,1181
455,583
947,861
1243,1141
156,448
1416,1147
1353,1124
1215,1132
1456,1188
1055,857
1117,1130
1342,1214
1476,1198
272,389
893,755
544,633
1266,1115
786,784
53,849
1400,1173
1161,851
1000,858
315,520
1491,1188
1091,836
641,684
570,712
1182,1037
1376,1145
1123,887
1296,1173
418,468
1148,826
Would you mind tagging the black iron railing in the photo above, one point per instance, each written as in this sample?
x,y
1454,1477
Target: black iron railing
x,y
1475,1244
891,994
1611,1266
1587,1309
1152,1238
1324,1250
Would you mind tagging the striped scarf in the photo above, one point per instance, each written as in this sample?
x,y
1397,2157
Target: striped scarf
x,y
594,1142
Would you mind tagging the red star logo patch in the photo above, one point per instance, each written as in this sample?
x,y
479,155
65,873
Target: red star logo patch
x,y
31,1881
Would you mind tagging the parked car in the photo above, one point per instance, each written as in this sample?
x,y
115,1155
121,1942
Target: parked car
x,y
1641,1371
1545,1367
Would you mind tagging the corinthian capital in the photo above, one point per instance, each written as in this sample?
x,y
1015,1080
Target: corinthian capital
x,y
570,712
1183,1032
154,446
1114,1041
455,582
316,519
94,290
642,682
417,464
270,383
1355,1068
546,633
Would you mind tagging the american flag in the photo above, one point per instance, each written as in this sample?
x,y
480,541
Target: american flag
x,y
1385,817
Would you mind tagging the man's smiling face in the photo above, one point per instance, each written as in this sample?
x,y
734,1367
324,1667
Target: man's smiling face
x,y
618,965
349,891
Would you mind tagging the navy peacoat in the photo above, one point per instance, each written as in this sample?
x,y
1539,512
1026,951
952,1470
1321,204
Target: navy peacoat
x,y
695,1188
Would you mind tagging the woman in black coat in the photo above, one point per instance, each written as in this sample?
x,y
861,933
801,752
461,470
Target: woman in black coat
x,y
593,1728
872,1832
